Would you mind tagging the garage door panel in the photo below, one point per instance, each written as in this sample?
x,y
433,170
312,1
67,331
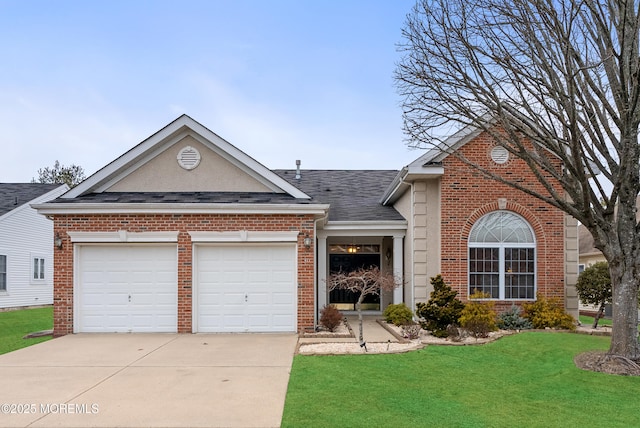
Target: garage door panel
x,y
252,281
282,299
127,288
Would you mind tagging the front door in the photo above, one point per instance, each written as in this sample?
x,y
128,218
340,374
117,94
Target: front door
x,y
345,300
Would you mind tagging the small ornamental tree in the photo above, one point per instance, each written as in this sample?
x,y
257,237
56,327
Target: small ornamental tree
x,y
594,288
363,282
442,309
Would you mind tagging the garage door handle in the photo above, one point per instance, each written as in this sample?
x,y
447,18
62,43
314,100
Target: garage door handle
x,y
246,297
129,297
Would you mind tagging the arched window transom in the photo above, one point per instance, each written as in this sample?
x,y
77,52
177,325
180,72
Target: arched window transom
x,y
502,257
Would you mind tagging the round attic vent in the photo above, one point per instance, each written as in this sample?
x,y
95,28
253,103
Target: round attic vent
x,y
500,155
188,158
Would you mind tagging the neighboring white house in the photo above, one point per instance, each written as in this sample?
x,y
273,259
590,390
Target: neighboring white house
x,y
26,245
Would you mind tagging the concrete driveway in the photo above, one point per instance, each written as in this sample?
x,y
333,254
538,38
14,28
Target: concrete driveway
x,y
147,380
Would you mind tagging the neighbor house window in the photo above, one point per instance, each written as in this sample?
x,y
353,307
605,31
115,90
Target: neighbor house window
x,y
38,268
502,252
3,272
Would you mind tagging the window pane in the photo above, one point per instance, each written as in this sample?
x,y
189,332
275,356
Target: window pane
x,y
41,268
519,273
501,226
483,271
35,268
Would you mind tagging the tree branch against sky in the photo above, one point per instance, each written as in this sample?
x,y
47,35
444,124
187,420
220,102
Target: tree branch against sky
x,y
550,81
59,174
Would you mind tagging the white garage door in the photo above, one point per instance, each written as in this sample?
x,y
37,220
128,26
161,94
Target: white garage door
x,y
246,288
126,288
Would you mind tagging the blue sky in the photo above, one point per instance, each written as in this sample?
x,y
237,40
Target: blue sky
x,y
84,81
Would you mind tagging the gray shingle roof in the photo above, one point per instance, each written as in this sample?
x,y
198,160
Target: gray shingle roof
x,y
354,195
12,195
187,198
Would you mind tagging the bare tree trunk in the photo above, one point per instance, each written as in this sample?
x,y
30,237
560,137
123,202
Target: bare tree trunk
x,y
624,337
363,344
598,315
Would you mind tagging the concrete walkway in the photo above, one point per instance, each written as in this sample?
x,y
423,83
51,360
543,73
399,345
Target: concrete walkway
x,y
147,380
373,332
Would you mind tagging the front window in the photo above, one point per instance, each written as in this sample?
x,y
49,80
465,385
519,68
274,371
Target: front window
x,y
502,257
3,272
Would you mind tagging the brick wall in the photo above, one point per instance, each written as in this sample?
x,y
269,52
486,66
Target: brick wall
x,y
183,223
467,196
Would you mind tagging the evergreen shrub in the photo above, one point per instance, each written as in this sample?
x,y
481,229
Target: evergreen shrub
x,y
398,314
442,310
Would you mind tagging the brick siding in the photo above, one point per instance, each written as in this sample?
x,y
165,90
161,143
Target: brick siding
x,y
467,196
183,223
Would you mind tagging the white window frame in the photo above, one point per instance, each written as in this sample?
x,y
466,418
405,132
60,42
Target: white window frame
x,y
38,275
501,259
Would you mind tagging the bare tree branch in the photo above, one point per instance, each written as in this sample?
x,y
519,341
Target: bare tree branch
x,y
557,84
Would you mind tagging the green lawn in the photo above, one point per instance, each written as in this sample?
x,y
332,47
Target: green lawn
x,y
588,321
528,379
16,324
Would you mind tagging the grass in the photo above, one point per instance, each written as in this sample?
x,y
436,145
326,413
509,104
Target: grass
x,y
528,379
14,325
588,321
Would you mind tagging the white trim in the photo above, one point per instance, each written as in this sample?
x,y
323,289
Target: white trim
x,y
122,236
244,236
397,229
179,208
398,269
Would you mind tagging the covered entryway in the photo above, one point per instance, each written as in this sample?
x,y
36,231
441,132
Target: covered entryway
x,y
126,288
249,287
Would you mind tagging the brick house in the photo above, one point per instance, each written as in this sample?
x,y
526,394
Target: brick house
x,y
186,233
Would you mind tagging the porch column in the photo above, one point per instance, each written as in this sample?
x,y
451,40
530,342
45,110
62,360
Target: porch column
x,y
398,268
322,273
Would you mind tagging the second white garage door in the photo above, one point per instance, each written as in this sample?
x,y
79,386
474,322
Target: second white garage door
x,y
246,288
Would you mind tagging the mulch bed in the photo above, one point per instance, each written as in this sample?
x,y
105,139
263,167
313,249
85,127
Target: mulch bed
x,y
601,361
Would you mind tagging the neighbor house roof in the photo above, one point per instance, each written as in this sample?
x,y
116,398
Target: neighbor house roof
x,y
13,195
354,195
585,242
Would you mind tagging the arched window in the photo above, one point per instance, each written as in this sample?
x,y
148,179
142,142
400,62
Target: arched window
x,y
502,251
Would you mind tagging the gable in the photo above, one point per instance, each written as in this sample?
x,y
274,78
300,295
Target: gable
x,y
163,173
152,164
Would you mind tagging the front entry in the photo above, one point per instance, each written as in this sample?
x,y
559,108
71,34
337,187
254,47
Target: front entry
x,y
354,258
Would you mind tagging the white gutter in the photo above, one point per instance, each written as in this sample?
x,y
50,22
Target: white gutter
x,y
179,208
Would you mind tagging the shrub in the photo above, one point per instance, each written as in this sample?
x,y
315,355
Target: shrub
x,y
442,309
478,318
548,313
398,314
330,317
512,320
411,331
594,287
